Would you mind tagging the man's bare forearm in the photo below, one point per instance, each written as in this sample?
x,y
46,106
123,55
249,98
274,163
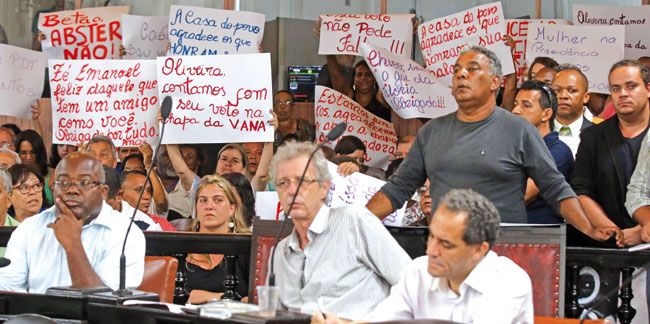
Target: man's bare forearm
x,y
380,205
81,272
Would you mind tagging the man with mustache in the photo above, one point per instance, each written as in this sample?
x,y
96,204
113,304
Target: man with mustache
x,y
484,148
340,260
78,241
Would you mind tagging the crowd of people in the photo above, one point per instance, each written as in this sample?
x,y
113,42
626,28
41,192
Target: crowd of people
x,y
542,152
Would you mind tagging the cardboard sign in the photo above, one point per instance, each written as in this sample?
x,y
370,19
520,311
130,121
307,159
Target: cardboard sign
x,y
355,189
114,98
636,20
144,37
443,39
205,31
22,74
332,107
411,90
592,48
343,34
518,30
84,34
218,98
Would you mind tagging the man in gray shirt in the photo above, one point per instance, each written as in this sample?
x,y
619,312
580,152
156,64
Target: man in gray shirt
x,y
339,260
485,148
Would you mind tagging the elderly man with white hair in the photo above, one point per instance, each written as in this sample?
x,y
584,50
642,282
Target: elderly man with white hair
x,y
8,158
339,260
5,202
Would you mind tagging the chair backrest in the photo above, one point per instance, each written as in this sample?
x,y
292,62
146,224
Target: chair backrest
x,y
264,234
160,276
555,320
541,252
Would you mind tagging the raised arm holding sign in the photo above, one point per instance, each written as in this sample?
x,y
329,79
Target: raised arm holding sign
x,y
144,37
83,34
411,90
344,33
205,31
443,39
218,98
115,98
21,79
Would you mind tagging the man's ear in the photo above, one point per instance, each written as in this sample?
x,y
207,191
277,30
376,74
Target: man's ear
x,y
496,83
585,100
547,113
480,251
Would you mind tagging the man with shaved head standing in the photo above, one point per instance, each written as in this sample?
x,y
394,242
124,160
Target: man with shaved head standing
x,y
78,241
572,89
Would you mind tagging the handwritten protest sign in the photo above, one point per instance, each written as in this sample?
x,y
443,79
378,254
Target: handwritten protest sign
x,y
355,189
92,33
144,37
205,31
518,30
636,20
443,39
22,74
218,98
332,107
110,97
410,89
592,48
343,34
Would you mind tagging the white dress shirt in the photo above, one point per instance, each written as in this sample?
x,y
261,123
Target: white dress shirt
x,y
38,260
347,268
127,211
572,141
496,291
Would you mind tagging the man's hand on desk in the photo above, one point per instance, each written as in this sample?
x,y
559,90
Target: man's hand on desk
x,y
632,236
645,232
605,232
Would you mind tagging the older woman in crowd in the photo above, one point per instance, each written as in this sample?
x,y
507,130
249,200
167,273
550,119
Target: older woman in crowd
x,y
218,211
27,193
32,152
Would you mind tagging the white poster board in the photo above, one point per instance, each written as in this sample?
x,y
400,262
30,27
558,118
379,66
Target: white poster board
x,y
592,48
332,107
411,90
144,37
344,33
111,97
22,75
635,19
443,39
518,30
217,98
84,34
204,31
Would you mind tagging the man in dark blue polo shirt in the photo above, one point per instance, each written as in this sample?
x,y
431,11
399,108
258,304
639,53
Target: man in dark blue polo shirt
x,y
537,104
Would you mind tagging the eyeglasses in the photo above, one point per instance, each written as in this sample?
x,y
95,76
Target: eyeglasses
x,y
81,185
25,188
422,190
281,103
285,183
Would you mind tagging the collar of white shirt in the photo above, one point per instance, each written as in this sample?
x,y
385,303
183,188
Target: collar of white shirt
x,y
104,218
317,226
475,280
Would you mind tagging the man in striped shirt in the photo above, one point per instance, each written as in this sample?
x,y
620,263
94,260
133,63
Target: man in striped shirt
x,y
339,260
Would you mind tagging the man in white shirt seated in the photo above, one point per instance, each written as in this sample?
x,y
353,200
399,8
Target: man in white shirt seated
x,y
459,279
78,241
340,260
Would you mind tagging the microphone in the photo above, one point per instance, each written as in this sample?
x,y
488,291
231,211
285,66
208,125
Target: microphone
x,y
333,134
165,110
4,262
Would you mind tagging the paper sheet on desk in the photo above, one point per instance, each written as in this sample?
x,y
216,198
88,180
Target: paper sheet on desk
x,y
174,308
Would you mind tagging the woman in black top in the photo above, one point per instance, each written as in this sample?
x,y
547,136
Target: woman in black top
x,y
217,212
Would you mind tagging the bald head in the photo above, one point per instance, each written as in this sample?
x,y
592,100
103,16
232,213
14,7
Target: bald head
x,y
76,159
